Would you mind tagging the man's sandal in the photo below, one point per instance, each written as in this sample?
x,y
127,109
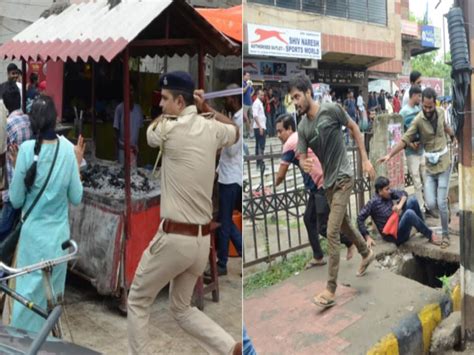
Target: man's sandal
x,y
315,262
325,299
445,243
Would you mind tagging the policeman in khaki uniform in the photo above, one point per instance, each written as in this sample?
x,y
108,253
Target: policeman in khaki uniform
x,y
179,251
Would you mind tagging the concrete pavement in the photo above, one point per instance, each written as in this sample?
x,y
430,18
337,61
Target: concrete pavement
x,y
282,319
95,322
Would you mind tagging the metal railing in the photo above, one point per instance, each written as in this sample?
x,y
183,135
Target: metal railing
x,y
273,215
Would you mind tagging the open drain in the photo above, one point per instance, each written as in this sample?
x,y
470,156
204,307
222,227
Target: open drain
x,y
423,270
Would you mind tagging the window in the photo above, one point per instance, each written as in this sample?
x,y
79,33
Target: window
x,y
372,11
263,2
316,6
336,8
378,11
358,10
288,4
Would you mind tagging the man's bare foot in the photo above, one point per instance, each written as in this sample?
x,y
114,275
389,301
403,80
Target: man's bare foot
x,y
365,263
350,252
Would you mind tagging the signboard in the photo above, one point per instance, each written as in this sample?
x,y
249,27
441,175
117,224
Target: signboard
x,y
319,90
340,76
381,84
428,36
271,70
410,28
283,42
437,84
395,166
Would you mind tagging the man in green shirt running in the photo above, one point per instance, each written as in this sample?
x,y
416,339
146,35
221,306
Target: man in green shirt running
x,y
321,130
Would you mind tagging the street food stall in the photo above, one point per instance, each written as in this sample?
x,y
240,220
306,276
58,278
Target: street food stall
x,y
120,210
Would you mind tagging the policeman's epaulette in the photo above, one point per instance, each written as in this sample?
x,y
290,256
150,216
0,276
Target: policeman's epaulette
x,y
170,117
208,115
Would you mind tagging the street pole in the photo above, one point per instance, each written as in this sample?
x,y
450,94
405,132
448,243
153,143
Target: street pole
x,y
466,202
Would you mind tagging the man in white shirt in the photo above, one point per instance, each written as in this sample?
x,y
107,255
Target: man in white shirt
x,y
361,107
327,97
259,127
415,79
230,187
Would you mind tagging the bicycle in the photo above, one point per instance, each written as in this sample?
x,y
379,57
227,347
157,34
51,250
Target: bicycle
x,y
53,311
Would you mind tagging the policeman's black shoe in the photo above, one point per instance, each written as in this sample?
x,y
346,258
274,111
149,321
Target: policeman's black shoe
x,y
221,271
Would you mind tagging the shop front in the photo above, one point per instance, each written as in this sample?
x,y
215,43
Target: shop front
x,y
96,60
341,79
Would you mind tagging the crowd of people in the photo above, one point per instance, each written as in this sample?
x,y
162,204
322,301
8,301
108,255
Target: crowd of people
x,y
318,146
264,105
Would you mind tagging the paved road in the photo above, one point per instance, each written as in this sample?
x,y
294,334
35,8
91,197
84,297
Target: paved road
x,y
95,323
282,319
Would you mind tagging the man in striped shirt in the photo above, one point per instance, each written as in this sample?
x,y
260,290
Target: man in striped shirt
x,y
18,130
317,209
380,208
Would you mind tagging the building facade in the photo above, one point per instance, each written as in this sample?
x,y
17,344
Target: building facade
x,y
355,35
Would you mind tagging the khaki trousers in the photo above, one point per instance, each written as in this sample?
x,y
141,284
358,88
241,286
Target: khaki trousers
x,y
338,197
416,168
180,259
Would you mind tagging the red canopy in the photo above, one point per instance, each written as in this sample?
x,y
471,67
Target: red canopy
x,y
227,21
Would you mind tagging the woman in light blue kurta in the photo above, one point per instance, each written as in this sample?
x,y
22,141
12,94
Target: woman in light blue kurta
x,y
47,227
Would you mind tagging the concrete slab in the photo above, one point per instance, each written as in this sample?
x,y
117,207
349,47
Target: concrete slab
x,y
94,321
282,319
419,246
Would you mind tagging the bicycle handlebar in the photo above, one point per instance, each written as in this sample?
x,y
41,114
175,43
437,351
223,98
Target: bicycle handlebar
x,y
15,272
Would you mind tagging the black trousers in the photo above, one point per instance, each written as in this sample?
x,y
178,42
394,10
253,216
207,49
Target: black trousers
x,y
316,218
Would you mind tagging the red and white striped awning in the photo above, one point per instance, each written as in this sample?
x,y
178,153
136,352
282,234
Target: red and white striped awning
x,y
93,30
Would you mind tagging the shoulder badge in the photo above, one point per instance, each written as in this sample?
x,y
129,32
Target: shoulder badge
x,y
208,115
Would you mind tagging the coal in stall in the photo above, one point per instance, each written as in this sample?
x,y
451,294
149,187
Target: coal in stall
x,y
98,223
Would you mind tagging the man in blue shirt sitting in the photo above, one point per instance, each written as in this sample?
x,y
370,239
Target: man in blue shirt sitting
x,y
380,208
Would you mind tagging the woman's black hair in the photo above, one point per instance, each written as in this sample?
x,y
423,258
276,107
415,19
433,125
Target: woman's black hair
x,y
43,118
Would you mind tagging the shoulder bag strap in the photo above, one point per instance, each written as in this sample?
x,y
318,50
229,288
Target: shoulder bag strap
x,y
44,185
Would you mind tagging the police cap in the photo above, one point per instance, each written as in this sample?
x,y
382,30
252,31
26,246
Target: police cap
x,y
177,80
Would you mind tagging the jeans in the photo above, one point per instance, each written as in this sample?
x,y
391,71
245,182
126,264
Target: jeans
x,y
246,149
247,346
8,216
228,196
270,125
411,217
260,145
436,195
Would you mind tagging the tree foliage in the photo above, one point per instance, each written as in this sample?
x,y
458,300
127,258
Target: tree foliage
x,y
430,66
